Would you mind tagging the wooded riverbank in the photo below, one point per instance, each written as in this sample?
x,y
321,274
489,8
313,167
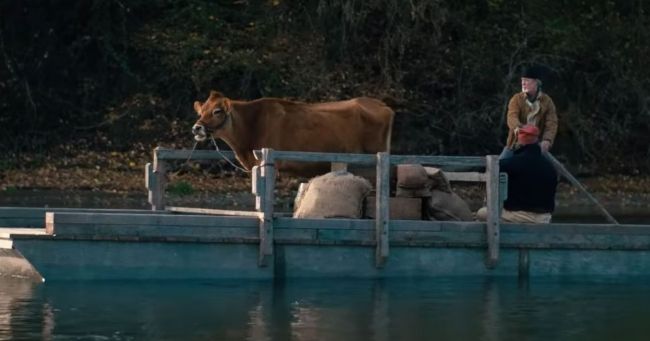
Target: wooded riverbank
x,y
108,76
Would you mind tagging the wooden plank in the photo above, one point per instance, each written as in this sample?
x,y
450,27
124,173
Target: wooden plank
x,y
157,192
439,160
348,231
465,226
503,188
182,258
34,217
578,236
120,232
494,210
438,239
110,260
6,243
149,177
258,188
184,154
575,241
462,226
39,212
151,219
294,236
212,211
465,176
145,217
366,159
367,224
365,237
9,232
71,223
339,166
349,237
93,225
334,223
382,204
220,212
402,237
266,219
572,228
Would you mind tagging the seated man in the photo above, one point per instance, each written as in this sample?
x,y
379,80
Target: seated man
x,y
532,182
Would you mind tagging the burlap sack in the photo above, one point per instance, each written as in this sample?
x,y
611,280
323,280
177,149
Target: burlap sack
x,y
412,176
447,206
438,180
333,195
413,192
302,188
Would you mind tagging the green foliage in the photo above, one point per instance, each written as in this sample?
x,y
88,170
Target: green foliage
x,y
9,190
112,74
180,188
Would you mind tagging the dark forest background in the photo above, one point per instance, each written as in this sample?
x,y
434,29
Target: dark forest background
x,y
118,75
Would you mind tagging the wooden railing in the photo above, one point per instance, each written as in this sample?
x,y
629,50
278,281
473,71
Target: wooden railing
x,y
263,185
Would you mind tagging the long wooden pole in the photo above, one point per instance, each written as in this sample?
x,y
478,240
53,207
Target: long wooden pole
x,y
563,171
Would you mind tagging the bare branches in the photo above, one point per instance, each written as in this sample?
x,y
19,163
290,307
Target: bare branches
x,y
12,71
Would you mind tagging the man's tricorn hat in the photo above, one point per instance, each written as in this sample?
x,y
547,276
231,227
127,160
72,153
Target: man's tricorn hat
x,y
533,71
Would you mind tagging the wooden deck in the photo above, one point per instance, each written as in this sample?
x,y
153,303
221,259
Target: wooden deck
x,y
196,243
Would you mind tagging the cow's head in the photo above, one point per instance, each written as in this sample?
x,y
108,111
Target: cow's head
x,y
213,115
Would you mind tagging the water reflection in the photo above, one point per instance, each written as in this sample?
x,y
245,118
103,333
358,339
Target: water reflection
x,y
444,309
20,314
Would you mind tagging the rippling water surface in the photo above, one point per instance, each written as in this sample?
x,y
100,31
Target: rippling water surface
x,y
444,309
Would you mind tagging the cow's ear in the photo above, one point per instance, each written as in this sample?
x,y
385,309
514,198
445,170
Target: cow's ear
x,y
197,107
227,105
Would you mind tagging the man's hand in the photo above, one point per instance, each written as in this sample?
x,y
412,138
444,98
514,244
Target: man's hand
x,y
546,145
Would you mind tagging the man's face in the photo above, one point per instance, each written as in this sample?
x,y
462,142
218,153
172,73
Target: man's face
x,y
529,85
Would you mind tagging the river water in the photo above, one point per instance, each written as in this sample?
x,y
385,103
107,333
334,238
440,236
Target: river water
x,y
339,309
439,309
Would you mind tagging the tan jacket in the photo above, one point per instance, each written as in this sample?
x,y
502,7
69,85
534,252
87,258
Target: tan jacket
x,y
545,119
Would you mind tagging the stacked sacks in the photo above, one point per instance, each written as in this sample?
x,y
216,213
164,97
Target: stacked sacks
x,y
441,203
444,203
412,182
333,195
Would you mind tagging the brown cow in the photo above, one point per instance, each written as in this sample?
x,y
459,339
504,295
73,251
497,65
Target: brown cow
x,y
359,125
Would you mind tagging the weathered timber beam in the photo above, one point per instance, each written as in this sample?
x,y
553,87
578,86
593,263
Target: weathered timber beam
x,y
184,154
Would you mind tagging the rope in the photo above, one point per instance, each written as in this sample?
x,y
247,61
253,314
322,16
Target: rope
x,y
225,158
216,148
188,159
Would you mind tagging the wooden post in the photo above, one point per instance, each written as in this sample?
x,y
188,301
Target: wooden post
x,y
493,210
564,172
266,220
339,166
149,182
156,180
257,188
503,188
382,208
